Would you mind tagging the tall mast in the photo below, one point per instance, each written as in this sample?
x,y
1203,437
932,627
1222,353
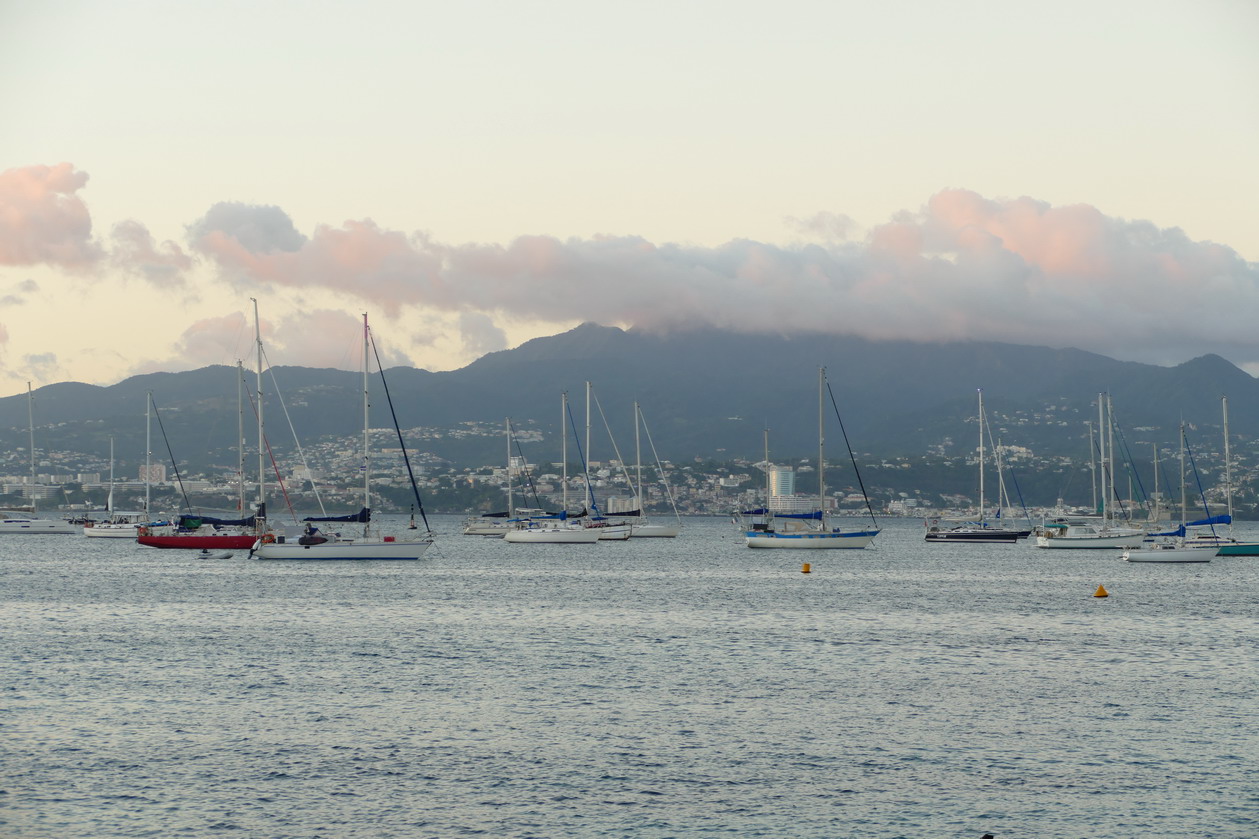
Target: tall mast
x,y
367,471
1157,515
821,441
1110,450
1184,502
1101,452
30,416
564,448
240,437
1092,466
148,452
109,502
769,478
638,461
262,475
1228,466
981,455
510,507
590,490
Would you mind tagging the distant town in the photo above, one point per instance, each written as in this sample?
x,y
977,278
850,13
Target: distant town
x,y
327,475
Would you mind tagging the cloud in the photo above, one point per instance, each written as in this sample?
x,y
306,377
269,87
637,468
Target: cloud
x,y
480,335
136,252
42,367
42,219
962,267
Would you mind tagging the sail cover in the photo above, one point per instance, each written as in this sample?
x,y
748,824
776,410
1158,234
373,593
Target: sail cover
x,y
362,517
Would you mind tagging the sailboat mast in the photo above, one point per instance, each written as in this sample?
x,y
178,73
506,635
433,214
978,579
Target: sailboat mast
x,y
148,452
1157,500
1228,465
240,437
511,508
1110,451
367,466
30,424
1101,451
821,441
638,462
981,455
564,449
590,490
261,511
1184,503
769,478
109,502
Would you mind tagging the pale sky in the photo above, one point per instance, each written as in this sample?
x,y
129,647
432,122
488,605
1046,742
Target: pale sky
x,y
475,174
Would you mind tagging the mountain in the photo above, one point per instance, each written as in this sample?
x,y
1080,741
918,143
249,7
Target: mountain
x,y
705,393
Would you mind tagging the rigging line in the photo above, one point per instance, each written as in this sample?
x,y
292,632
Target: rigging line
x,y
668,491
1002,466
275,467
173,464
528,475
1130,465
1198,478
585,468
296,440
405,457
851,456
615,449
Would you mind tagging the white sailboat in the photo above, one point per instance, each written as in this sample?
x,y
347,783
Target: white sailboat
x,y
1173,548
372,544
117,525
979,531
555,530
645,528
809,531
29,522
1091,534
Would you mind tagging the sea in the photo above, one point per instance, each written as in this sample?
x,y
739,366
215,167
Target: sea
x,y
650,688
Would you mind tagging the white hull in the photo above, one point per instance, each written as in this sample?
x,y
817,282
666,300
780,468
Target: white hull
x,y
112,531
654,531
811,540
37,527
356,549
1169,554
612,532
1089,537
553,535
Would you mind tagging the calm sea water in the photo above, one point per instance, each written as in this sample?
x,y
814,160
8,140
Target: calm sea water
x,y
652,688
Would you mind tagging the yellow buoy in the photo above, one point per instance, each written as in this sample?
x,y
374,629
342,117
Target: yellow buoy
x,y
806,569
1101,592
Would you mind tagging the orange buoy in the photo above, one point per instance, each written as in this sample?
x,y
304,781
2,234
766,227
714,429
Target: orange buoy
x,y
1101,592
806,569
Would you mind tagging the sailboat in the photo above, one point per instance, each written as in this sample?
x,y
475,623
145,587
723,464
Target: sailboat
x,y
1173,547
980,531
29,523
313,544
1226,545
207,533
644,528
117,525
1091,534
766,529
554,529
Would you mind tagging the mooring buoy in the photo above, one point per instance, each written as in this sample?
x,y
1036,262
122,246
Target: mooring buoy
x,y
1101,592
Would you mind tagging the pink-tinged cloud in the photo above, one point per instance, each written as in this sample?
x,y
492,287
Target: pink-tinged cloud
x,y
963,267
43,220
136,252
316,338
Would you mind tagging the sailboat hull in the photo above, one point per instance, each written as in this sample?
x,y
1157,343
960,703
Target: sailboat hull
x,y
977,535
654,531
225,542
38,527
338,551
553,535
811,540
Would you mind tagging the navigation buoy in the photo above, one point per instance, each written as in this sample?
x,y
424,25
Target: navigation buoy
x,y
1101,592
806,569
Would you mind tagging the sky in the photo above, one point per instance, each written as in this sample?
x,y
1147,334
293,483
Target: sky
x,y
476,174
